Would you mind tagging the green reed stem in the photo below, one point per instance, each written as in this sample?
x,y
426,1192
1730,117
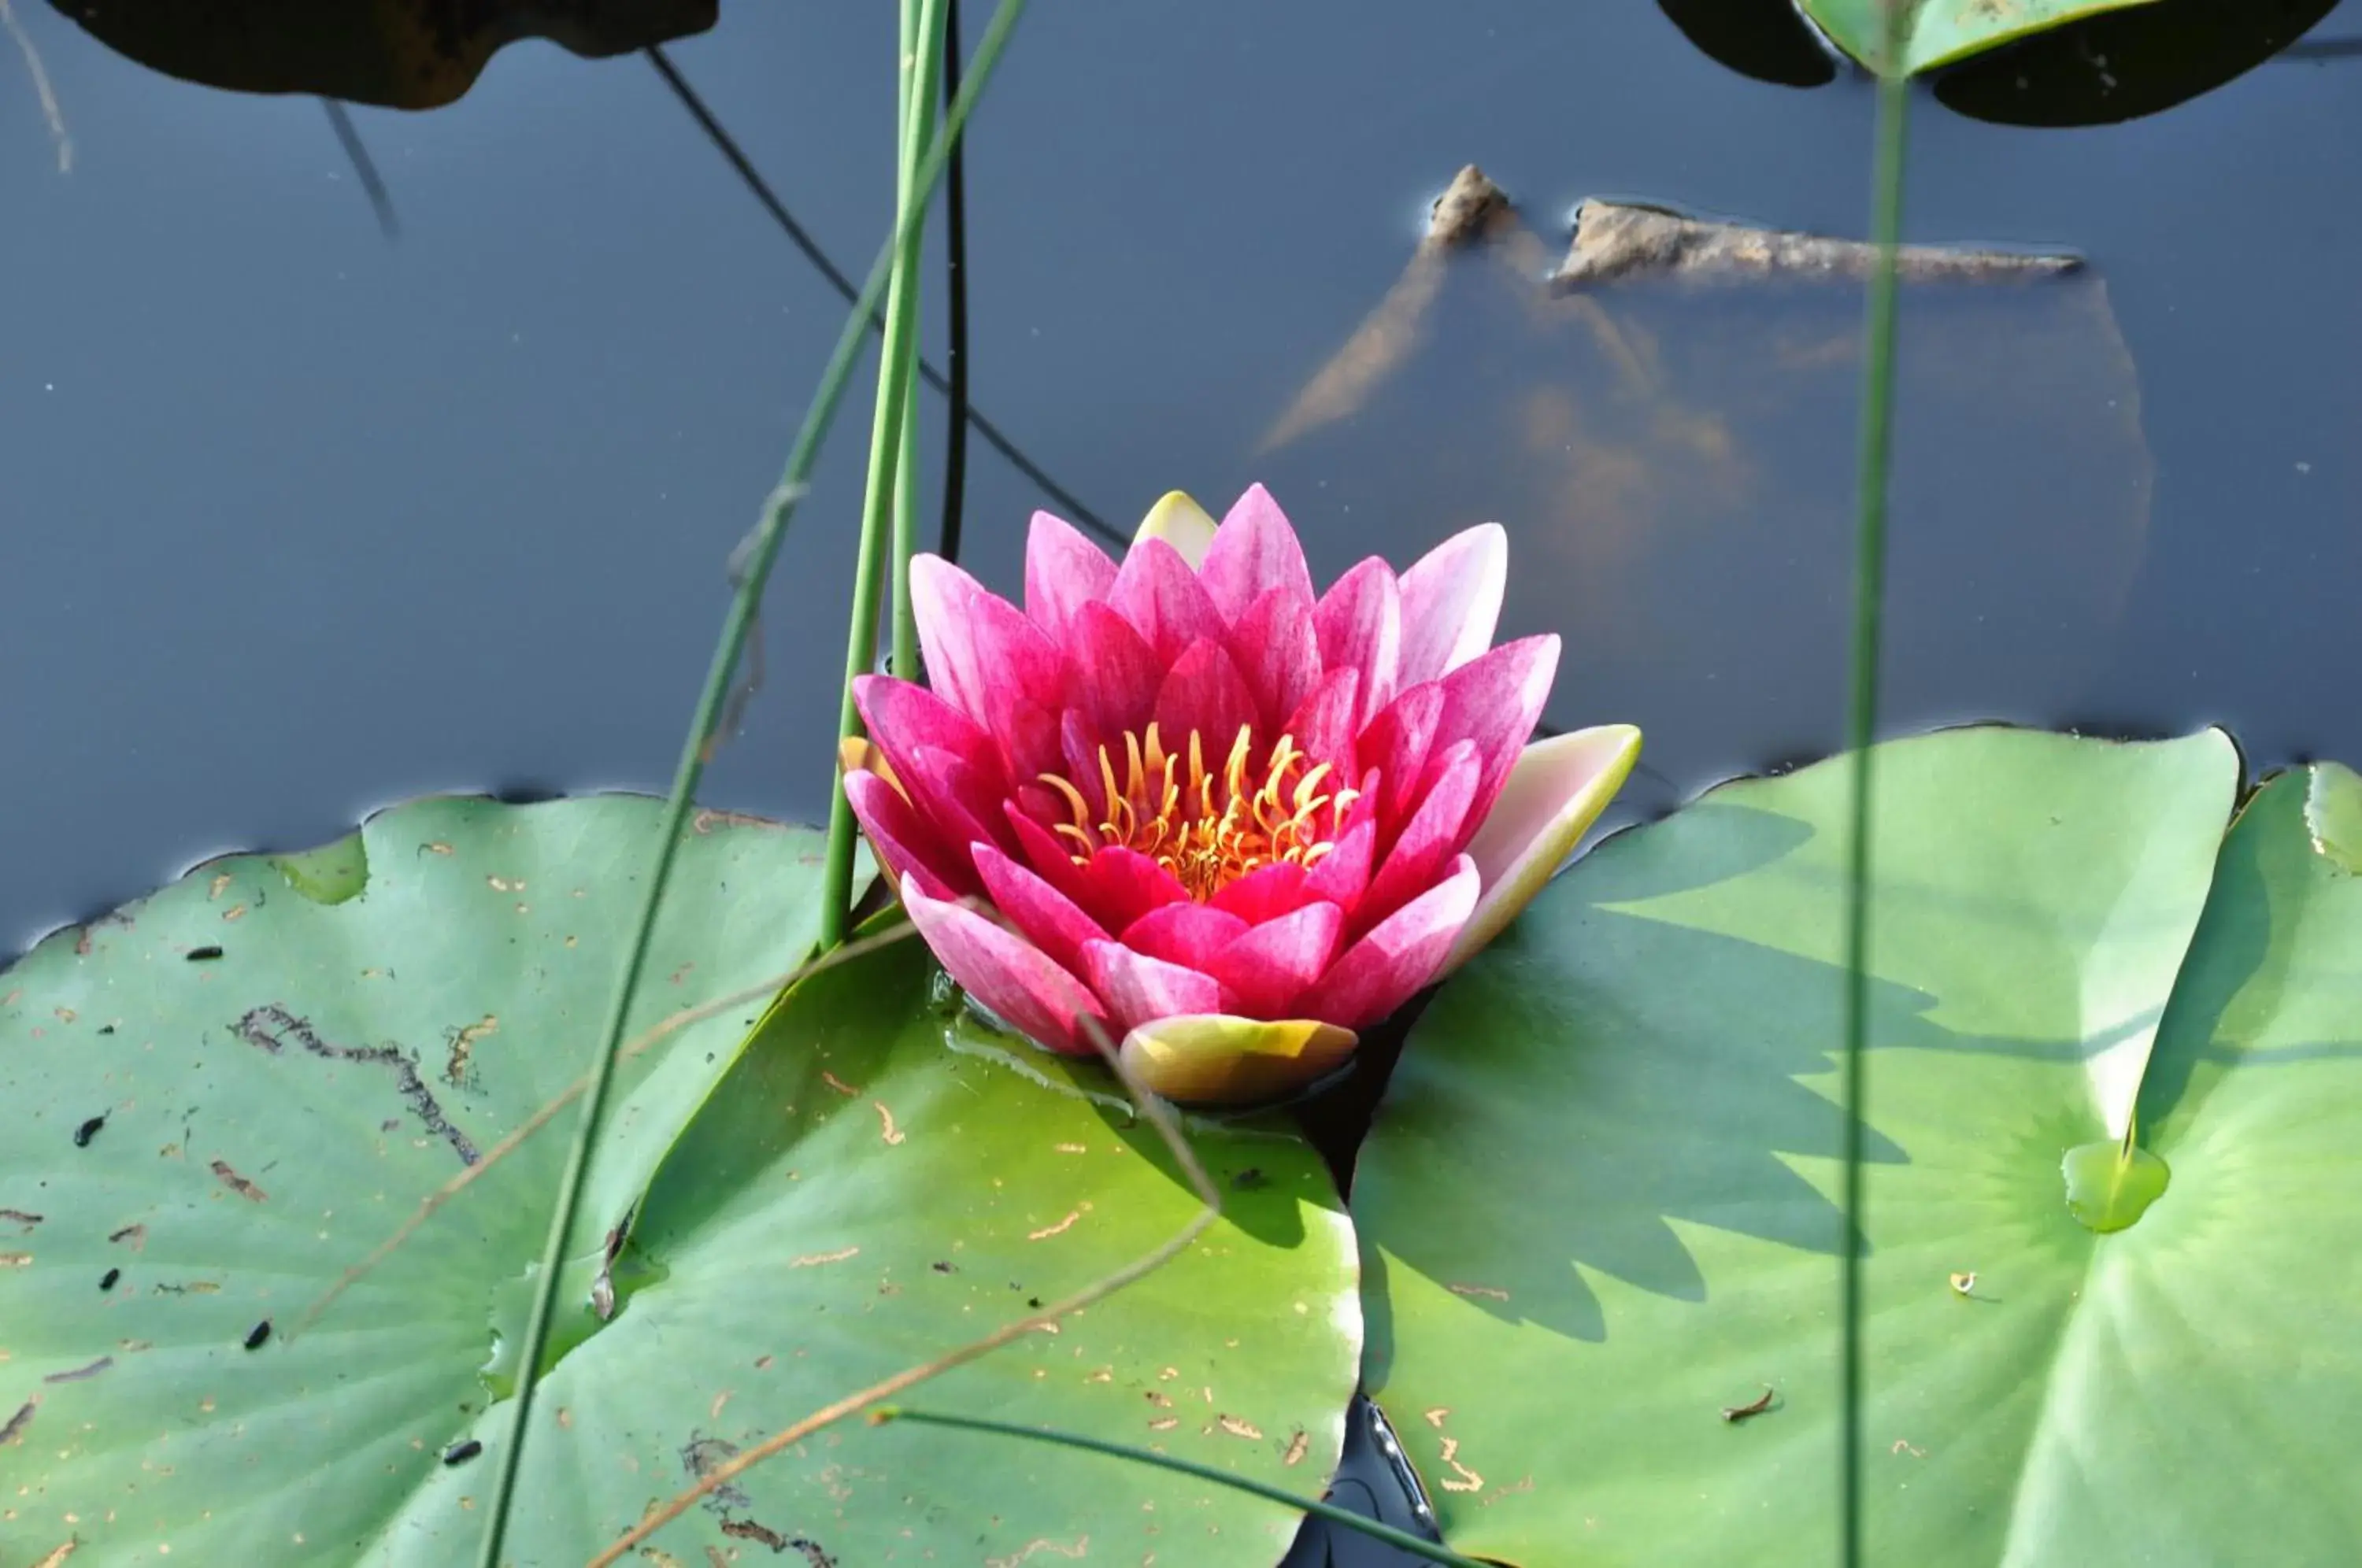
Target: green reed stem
x,y
896,356
1861,720
751,569
1401,1540
918,111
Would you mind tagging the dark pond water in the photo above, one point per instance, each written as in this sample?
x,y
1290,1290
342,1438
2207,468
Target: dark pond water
x,y
298,522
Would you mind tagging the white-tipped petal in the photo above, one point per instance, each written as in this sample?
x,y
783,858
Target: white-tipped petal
x,y
1556,789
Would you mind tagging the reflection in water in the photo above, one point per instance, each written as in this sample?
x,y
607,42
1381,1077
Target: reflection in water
x,y
1673,458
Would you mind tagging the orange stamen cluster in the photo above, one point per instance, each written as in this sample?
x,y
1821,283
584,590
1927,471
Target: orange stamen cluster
x,y
1208,828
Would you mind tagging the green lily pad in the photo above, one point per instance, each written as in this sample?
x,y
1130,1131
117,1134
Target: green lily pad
x,y
220,1098
872,1179
1600,1206
878,1179
1941,31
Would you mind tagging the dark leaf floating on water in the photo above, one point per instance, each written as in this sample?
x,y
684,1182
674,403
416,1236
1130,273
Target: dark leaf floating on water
x,y
401,54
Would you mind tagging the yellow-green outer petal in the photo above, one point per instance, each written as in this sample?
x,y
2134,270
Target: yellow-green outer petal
x,y
1557,788
1212,1058
1180,523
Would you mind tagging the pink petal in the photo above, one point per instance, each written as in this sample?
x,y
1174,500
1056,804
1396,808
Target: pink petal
x,y
1008,973
1343,874
1050,855
958,798
1120,885
1359,625
1029,741
1262,895
1397,743
1452,601
1494,700
1322,724
1434,834
902,717
1064,571
1557,788
1254,552
1203,695
1021,667
1264,972
1080,745
1042,914
1137,987
1385,968
941,601
1274,646
1157,591
1217,1059
1185,933
1116,672
903,840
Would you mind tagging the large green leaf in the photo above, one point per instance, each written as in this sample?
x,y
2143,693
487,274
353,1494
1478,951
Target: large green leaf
x,y
876,1180
220,1098
1940,31
1599,1206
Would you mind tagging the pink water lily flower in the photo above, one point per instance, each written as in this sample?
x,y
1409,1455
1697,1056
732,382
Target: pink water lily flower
x,y
1189,803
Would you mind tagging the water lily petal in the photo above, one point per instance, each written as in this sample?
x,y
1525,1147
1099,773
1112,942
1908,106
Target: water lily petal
x,y
1254,552
902,839
1275,648
1177,520
1259,896
1435,832
1555,791
1322,724
1342,875
1021,666
1495,701
1137,987
1008,973
1043,915
1359,624
1064,571
1451,601
1116,672
1185,933
1049,855
1204,695
1157,591
1216,1059
1397,743
1403,953
1263,971
942,601
963,801
902,717
1120,885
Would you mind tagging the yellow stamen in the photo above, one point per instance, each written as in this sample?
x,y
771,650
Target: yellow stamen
x,y
1208,828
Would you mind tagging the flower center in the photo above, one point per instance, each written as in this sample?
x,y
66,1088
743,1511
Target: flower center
x,y
1208,828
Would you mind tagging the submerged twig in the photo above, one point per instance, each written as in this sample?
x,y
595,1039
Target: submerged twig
x,y
1617,239
664,1028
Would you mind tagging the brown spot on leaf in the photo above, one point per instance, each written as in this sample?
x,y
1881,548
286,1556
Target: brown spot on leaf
x,y
133,1236
1295,1447
839,1085
19,1217
1239,1427
1463,1479
238,1184
14,1428
888,1130
1059,1229
810,1259
80,1373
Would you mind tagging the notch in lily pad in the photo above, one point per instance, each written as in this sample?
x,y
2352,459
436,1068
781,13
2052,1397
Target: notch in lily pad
x,y
330,874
